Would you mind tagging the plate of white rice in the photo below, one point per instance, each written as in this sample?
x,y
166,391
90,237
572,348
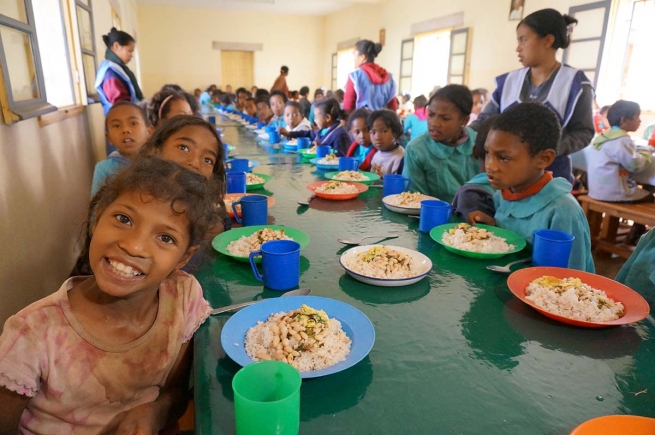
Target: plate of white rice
x,y
348,339
479,241
406,202
238,243
385,265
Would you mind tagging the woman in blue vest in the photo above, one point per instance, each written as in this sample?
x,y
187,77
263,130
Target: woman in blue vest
x,y
563,89
369,85
114,80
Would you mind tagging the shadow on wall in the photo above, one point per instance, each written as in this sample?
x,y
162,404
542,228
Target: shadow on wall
x,y
45,184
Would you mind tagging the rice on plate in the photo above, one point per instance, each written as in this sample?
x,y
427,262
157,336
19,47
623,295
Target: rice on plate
x,y
350,176
571,298
254,179
245,245
305,338
330,159
336,188
474,239
382,262
408,199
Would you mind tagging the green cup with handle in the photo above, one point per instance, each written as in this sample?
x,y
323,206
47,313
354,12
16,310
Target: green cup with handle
x,y
267,399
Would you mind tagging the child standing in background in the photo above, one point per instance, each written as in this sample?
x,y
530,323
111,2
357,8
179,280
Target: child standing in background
x,y
114,347
277,101
294,118
361,148
127,128
615,158
440,162
416,123
264,110
167,104
385,130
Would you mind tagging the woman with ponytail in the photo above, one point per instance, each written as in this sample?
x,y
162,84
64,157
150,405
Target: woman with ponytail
x,y
561,88
114,80
369,85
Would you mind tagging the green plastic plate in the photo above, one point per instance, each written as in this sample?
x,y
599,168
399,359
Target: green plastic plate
x,y
266,178
370,175
221,241
510,237
306,154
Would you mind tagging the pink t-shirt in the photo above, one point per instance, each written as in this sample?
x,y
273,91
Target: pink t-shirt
x,y
78,384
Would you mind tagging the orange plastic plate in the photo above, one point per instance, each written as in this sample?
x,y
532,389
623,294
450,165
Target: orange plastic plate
x,y
617,424
339,196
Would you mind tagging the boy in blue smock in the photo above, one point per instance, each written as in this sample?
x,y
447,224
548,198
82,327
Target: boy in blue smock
x,y
521,144
638,272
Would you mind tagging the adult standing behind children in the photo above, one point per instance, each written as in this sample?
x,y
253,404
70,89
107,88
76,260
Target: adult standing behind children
x,y
563,89
281,82
369,85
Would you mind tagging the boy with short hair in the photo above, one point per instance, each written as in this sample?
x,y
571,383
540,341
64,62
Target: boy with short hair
x,y
522,143
294,119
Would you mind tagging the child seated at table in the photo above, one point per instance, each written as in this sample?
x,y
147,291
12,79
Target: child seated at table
x,y
111,353
250,107
264,112
361,148
277,100
638,272
167,104
385,130
127,128
226,101
521,144
327,115
615,158
440,162
293,117
416,123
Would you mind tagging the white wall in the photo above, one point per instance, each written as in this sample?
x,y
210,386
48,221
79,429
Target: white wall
x,y
176,46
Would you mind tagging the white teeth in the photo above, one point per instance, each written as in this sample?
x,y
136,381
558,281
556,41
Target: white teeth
x,y
123,270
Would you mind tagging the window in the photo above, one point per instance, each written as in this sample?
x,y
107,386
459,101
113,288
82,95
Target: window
x,y
22,78
345,65
84,13
458,61
333,85
406,64
430,62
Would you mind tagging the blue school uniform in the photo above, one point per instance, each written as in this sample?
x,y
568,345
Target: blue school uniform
x,y
638,272
553,207
277,122
415,126
110,166
334,136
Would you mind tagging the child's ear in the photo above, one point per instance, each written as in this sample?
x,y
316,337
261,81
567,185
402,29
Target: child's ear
x,y
546,158
465,121
151,128
107,137
186,257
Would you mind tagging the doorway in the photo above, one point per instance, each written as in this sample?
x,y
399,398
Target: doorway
x,y
237,69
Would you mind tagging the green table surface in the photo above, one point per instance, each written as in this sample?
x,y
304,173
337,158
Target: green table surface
x,y
456,353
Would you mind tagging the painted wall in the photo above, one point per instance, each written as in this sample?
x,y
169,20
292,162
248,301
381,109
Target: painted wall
x,y
176,46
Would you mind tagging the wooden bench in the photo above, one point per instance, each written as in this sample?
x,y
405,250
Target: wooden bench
x,y
605,220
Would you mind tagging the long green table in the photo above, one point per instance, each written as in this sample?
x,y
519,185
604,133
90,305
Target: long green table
x,y
456,353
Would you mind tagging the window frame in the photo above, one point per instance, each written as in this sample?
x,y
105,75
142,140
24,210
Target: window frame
x,y
466,53
333,79
402,76
12,110
83,51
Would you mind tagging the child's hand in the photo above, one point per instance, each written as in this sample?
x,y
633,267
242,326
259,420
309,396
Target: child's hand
x,y
141,420
283,131
477,217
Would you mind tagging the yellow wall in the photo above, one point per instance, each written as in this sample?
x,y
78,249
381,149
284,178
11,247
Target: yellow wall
x,y
176,46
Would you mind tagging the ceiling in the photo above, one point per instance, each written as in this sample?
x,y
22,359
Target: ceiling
x,y
296,7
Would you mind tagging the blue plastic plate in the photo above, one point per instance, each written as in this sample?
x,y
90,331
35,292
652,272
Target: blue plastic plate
x,y
324,166
354,323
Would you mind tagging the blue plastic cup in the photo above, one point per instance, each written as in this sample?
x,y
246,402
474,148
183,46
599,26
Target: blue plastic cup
x,y
280,264
551,248
322,151
254,210
434,212
348,164
238,165
261,124
303,143
211,119
270,129
394,184
274,136
236,182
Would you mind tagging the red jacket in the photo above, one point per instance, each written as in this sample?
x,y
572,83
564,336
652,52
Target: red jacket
x,y
377,75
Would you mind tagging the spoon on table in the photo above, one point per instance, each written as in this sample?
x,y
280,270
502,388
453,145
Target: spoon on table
x,y
358,241
506,268
310,199
298,292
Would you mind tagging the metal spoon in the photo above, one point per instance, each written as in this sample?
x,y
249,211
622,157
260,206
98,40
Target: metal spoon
x,y
358,241
298,292
310,199
506,269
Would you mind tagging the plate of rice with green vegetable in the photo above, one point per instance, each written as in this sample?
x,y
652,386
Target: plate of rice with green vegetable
x,y
385,265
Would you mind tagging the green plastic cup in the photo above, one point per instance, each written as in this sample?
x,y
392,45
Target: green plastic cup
x,y
267,399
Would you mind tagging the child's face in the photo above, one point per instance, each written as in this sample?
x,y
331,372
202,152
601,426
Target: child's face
x,y
631,124
194,148
137,242
251,108
177,107
292,116
509,164
321,120
318,96
382,136
241,98
478,102
277,105
264,112
445,122
359,131
126,130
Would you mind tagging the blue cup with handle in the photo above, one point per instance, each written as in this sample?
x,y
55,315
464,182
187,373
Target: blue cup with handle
x,y
303,143
394,184
348,164
280,264
254,210
434,212
238,165
322,151
236,182
261,124
551,248
269,129
274,136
